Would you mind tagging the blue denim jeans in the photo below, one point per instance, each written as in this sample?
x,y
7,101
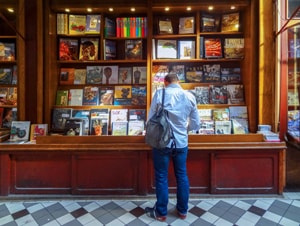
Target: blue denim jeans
x,y
161,159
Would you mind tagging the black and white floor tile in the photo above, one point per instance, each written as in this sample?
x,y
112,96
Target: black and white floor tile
x,y
226,211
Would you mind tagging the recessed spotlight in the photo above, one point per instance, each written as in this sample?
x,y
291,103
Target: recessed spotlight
x,y
110,9
132,9
89,10
188,8
11,10
67,10
232,7
167,9
210,7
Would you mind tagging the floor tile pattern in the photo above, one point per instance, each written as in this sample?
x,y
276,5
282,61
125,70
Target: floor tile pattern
x,y
226,211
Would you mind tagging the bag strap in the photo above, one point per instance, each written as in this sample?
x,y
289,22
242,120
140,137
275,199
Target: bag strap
x,y
163,98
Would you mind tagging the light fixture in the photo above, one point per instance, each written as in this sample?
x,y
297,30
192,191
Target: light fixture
x,y
67,10
11,10
110,9
188,8
89,10
232,7
167,8
210,7
132,9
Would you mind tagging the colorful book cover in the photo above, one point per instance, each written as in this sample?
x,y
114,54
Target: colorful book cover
x,y
75,97
139,95
109,27
125,75
110,49
209,23
7,51
221,114
218,94
193,74
166,49
133,49
79,76
212,48
137,114
90,95
230,22
12,96
136,128
207,127
38,130
236,94
187,25
139,75
59,117
186,49
234,48
99,121
211,73
77,24
123,95
110,74
66,76
6,76
231,75
93,24
20,131
119,128
94,74
3,95
179,71
205,114
84,114
223,127
62,24
118,115
9,115
68,49
159,71
107,95
74,127
89,49
62,97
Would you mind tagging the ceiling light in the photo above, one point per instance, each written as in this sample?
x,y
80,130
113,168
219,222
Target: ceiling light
x,y
167,9
188,8
89,10
11,10
210,7
110,9
132,9
67,10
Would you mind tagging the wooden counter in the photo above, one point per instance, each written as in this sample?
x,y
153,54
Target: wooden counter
x,y
108,165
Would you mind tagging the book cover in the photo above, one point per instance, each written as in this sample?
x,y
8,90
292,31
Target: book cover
x,y
9,115
79,76
110,49
62,27
137,114
231,75
109,27
99,121
238,112
88,49
211,73
94,74
119,128
123,95
136,128
294,48
59,118
221,114
20,131
166,49
186,25
234,48
201,94
186,49
194,74
207,127
230,22
62,97
178,69
90,95
223,127
84,114
107,95
209,23
77,24
139,75
6,76
212,48
93,24
139,95
68,49
218,94
133,49
66,76
38,130
159,71
236,94
240,126
12,96
74,127
118,115
75,97
125,75
205,114
293,97
165,26
14,79
110,74
7,51
3,95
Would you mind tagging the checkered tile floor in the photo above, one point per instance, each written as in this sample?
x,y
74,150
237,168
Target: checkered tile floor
x,y
282,210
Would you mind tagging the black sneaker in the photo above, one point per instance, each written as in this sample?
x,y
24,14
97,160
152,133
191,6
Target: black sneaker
x,y
152,213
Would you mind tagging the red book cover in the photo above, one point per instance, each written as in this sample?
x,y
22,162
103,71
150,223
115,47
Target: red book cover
x,y
118,22
132,27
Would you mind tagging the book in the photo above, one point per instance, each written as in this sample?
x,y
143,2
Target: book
x,y
110,49
109,27
137,115
38,130
6,76
107,95
231,75
3,95
68,49
93,24
201,94
9,115
212,48
122,95
125,75
62,21
59,117
236,94
77,24
20,131
75,97
7,51
293,97
238,112
221,114
62,97
205,114
118,115
90,95
110,74
294,48
186,49
74,127
230,22
194,74
66,76
139,95
99,121
12,96
136,128
187,25
207,127
159,71
166,49
234,48
119,128
240,126
4,137
79,76
165,26
212,73
84,114
218,94
209,23
14,79
223,127
133,49
178,69
94,74
139,75
89,49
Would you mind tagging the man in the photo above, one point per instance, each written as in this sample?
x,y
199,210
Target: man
x,y
183,117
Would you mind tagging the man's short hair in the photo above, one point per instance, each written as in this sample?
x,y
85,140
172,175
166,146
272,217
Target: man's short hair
x,y
171,78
